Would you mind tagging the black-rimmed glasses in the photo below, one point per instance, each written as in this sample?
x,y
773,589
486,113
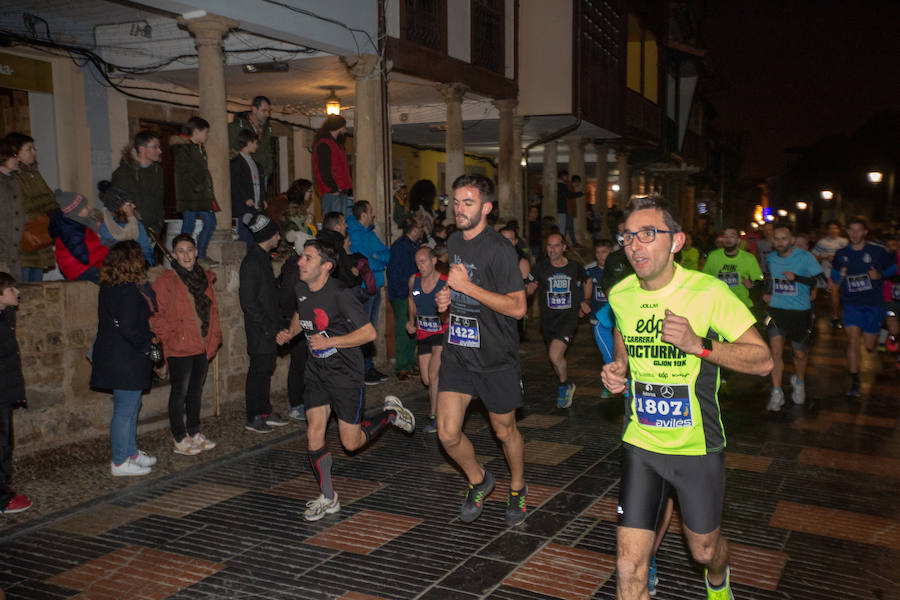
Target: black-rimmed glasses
x,y
644,236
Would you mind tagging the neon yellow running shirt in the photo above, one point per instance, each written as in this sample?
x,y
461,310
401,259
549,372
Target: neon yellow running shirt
x,y
674,407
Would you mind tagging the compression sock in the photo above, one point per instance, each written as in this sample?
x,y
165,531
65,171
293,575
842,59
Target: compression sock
x,y
371,427
320,460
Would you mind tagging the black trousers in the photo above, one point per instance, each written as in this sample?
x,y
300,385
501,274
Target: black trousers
x,y
259,383
187,374
295,382
6,450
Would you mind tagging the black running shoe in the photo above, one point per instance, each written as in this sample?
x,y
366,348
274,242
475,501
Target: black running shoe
x,y
515,506
836,323
853,392
475,496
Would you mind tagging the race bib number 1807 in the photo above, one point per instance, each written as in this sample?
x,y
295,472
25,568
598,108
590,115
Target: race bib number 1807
x,y
463,331
662,405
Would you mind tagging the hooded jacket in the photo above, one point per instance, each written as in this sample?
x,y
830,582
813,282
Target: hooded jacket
x,y
119,360
77,247
366,242
193,183
145,184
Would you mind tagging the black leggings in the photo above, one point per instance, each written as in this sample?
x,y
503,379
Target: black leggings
x,y
187,374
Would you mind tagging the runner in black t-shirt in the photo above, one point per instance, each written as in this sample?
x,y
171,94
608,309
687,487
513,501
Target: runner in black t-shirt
x,y
561,291
335,325
485,296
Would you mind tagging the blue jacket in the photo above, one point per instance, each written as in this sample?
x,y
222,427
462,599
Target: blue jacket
x,y
401,267
366,242
143,239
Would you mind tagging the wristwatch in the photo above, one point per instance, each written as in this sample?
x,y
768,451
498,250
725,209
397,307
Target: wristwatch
x,y
707,348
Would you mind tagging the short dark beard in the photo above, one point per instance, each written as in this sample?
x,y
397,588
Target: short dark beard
x,y
471,225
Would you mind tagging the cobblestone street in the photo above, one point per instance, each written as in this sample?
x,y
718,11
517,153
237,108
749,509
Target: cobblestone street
x,y
811,508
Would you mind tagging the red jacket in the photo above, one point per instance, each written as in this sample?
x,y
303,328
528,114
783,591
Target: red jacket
x,y
176,322
332,170
72,268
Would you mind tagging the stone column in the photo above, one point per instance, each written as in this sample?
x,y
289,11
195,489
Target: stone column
x,y
508,161
602,173
576,167
369,142
624,180
369,138
548,206
520,201
208,33
454,147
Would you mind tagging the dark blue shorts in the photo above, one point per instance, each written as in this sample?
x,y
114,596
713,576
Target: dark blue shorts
x,y
865,316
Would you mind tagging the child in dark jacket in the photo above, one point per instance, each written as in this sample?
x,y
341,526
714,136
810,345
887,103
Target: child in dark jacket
x,y
79,251
12,382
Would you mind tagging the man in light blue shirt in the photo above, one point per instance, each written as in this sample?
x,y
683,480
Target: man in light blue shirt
x,y
792,275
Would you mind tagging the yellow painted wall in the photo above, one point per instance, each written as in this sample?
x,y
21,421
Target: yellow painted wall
x,y
423,164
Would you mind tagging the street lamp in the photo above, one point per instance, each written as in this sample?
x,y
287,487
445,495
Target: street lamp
x,y
615,187
802,206
826,194
874,176
782,212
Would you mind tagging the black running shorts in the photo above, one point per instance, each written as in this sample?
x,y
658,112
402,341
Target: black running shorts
x,y
500,391
426,344
555,328
346,402
647,478
795,325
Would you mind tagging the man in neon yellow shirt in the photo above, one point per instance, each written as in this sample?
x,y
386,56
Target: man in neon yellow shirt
x,y
674,329
738,269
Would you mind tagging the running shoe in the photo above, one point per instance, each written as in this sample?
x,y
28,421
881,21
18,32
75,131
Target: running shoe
x,y
403,417
776,400
798,395
892,345
475,495
129,468
275,420
321,506
836,323
258,425
297,412
18,503
515,506
374,377
430,425
853,392
565,395
653,579
723,592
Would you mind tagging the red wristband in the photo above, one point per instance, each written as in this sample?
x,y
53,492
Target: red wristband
x,y
704,353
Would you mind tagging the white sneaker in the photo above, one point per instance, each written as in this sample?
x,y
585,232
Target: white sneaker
x,y
186,447
798,395
404,419
143,459
776,400
129,468
200,442
321,506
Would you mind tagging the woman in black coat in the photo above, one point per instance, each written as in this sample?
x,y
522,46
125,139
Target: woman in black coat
x,y
120,358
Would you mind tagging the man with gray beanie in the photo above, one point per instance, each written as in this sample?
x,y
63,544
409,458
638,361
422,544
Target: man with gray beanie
x,y
262,321
332,169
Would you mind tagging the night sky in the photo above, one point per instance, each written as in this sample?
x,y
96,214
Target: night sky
x,y
797,71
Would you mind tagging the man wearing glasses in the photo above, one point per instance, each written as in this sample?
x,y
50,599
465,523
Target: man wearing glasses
x,y
674,329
